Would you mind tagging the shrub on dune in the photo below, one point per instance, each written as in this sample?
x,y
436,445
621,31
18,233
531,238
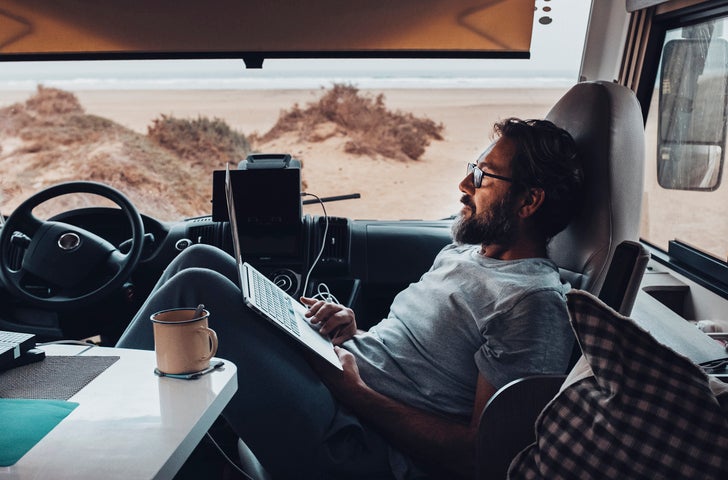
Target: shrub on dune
x,y
370,128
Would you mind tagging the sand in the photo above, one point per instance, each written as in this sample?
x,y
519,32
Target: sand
x,y
390,189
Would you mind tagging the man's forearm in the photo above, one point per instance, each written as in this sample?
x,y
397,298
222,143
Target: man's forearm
x,y
430,438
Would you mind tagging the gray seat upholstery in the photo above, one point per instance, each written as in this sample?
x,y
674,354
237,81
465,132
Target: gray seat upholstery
x,y
606,122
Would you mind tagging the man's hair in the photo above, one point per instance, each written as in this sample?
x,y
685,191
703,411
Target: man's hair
x,y
546,157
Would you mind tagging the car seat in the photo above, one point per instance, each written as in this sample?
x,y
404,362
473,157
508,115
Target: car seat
x,y
605,120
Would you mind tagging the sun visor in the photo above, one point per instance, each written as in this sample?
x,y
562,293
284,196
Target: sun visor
x,y
257,29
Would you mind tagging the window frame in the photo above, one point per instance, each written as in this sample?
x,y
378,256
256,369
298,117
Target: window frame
x,y
704,269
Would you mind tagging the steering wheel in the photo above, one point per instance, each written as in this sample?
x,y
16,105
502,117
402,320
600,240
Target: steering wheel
x,y
65,266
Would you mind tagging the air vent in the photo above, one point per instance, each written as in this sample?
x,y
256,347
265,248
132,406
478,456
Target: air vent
x,y
210,234
336,249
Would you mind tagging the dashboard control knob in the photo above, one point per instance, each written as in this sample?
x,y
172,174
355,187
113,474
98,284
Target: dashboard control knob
x,y
182,244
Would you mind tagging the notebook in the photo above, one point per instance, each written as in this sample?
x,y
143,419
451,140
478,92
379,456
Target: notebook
x,y
270,301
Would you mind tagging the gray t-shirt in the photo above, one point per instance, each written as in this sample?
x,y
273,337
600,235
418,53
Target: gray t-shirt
x,y
468,314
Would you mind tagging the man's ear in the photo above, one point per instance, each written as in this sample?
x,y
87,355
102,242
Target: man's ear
x,y
533,198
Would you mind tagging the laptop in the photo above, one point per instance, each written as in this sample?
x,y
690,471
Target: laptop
x,y
270,301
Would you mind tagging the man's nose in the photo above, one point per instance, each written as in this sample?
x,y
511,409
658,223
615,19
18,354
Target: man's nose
x,y
466,185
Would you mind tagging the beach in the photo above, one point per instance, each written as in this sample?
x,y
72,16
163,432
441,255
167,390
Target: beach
x,y
390,189
426,188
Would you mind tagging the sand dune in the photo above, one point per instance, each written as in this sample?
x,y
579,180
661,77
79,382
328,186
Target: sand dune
x,y
426,188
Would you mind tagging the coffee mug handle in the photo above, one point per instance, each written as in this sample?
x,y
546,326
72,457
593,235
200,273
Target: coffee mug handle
x,y
213,342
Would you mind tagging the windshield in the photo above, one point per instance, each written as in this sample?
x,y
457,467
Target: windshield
x,y
397,132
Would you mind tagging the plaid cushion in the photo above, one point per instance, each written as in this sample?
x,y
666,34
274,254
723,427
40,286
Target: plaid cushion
x,y
647,412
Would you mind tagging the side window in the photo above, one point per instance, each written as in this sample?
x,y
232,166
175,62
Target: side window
x,y
685,198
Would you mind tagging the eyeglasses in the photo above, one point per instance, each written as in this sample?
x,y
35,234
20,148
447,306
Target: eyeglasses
x,y
478,175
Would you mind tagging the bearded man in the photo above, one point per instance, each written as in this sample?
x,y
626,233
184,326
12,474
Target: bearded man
x,y
491,309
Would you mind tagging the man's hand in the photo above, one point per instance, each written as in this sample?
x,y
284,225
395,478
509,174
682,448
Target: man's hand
x,y
344,385
337,322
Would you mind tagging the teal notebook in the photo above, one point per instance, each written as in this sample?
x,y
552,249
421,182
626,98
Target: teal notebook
x,y
23,423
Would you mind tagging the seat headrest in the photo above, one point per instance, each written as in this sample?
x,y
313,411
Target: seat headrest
x,y
606,122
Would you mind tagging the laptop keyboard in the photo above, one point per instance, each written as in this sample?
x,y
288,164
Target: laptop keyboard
x,y
274,302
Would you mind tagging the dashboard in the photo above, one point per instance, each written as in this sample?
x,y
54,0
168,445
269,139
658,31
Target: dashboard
x,y
363,263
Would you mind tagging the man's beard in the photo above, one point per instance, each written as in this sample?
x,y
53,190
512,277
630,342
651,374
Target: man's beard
x,y
494,227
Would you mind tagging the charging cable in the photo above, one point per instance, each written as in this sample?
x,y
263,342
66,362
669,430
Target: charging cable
x,y
323,292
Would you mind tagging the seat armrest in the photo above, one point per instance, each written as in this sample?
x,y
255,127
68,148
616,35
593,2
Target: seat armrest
x,y
507,423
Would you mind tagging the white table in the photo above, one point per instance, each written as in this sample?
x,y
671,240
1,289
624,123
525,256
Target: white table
x,y
129,423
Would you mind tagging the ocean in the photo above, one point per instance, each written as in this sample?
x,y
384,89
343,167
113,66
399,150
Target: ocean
x,y
291,74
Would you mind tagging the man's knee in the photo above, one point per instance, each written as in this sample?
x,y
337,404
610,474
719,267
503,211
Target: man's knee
x,y
198,276
198,255
209,286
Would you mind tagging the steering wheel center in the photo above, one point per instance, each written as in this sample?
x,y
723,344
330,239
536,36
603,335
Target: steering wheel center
x,y
69,241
